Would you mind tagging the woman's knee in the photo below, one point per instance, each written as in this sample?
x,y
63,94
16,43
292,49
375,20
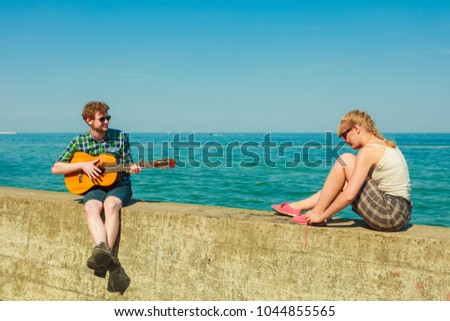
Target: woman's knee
x,y
346,160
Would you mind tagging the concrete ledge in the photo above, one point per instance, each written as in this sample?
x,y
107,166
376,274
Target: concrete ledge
x,y
190,252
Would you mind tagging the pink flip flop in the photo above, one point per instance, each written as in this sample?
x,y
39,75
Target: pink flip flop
x,y
300,219
286,209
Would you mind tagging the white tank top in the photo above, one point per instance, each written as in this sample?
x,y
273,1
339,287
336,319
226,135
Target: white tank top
x,y
391,172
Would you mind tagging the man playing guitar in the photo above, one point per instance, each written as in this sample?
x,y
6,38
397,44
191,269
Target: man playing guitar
x,y
100,139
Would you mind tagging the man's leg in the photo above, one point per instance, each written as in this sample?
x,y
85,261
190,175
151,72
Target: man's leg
x,y
116,198
112,208
101,257
93,209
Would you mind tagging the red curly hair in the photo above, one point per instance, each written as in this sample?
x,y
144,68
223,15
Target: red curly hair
x,y
92,107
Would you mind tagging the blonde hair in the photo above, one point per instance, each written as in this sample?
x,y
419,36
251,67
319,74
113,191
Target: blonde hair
x,y
363,119
92,107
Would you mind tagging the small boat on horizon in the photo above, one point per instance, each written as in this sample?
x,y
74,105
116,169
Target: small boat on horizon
x,y
8,133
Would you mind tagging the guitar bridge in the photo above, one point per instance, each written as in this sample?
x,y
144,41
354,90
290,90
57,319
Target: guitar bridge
x,y
80,176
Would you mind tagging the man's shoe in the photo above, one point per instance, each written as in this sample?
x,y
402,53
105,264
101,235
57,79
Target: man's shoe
x,y
102,260
114,263
101,273
98,271
101,257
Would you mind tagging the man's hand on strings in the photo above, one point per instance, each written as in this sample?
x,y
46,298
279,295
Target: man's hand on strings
x,y
134,169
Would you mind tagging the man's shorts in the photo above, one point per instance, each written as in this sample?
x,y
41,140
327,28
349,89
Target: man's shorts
x,y
122,192
379,210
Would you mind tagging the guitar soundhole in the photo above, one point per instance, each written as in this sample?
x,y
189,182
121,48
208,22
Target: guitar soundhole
x,y
102,168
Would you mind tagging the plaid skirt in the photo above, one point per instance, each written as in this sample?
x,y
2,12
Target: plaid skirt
x,y
381,211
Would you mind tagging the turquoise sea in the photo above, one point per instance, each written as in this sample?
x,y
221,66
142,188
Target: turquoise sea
x,y
243,170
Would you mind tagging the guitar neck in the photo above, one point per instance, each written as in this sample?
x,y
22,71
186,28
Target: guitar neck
x,y
125,167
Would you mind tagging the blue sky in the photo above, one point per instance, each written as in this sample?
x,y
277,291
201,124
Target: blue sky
x,y
225,66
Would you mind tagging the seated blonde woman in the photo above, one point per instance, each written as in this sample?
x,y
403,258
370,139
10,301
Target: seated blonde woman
x,y
375,181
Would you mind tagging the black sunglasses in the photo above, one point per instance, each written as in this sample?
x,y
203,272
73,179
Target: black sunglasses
x,y
102,119
344,134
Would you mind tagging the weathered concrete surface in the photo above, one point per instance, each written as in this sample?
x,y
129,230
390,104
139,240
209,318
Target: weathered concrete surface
x,y
189,252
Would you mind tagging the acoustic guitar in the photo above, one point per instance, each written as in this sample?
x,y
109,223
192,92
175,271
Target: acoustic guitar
x,y
79,183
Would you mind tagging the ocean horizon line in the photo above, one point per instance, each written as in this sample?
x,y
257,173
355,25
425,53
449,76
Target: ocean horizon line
x,y
223,132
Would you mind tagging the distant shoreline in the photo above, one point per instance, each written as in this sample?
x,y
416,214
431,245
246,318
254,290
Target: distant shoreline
x,y
8,133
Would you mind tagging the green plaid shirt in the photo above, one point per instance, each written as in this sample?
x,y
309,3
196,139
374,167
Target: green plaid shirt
x,y
115,142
